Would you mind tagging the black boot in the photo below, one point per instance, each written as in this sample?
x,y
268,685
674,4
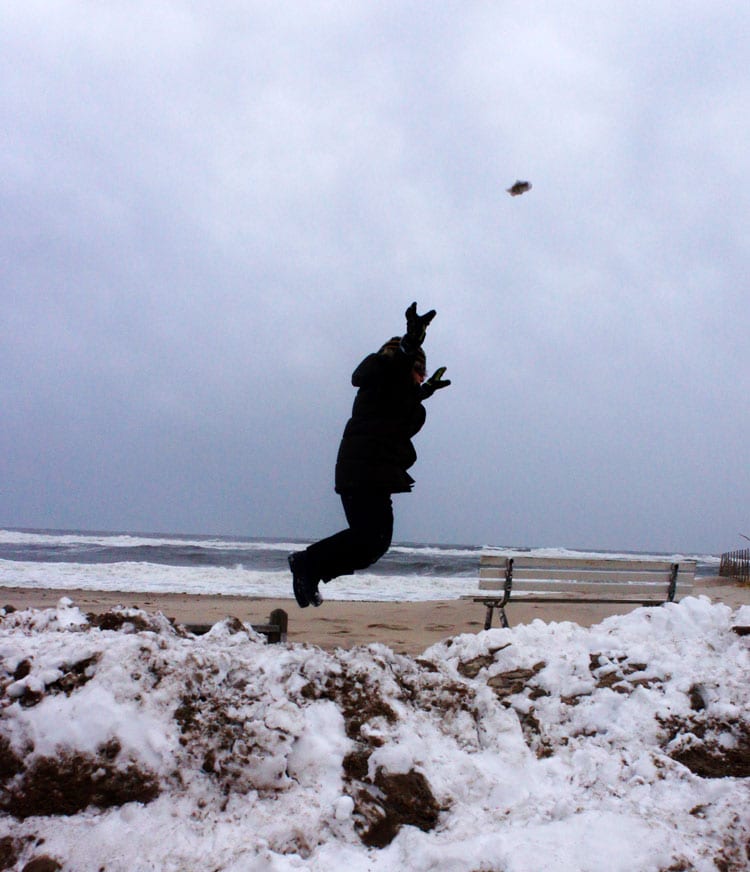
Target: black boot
x,y
305,586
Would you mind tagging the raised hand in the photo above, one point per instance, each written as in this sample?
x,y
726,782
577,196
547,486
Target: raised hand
x,y
416,326
434,383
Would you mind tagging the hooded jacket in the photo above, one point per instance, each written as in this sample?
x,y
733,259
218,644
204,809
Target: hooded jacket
x,y
376,448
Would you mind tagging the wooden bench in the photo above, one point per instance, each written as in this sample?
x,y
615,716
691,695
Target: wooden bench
x,y
275,630
525,578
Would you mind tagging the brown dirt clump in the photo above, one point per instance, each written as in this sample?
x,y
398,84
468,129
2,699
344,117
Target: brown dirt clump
x,y
10,763
43,863
118,620
356,764
713,761
69,783
513,681
472,668
74,675
358,698
615,673
394,800
10,851
709,747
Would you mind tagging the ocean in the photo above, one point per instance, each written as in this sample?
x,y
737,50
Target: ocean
x,y
170,563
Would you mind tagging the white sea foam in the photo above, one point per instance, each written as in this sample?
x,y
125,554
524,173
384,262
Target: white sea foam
x,y
157,578
417,581
134,540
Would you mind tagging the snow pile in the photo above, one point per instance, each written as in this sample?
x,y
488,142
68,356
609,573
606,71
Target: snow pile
x,y
128,744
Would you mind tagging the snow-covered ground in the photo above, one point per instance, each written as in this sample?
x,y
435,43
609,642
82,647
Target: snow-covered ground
x,y
132,746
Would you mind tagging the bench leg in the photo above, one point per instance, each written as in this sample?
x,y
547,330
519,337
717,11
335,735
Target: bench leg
x,y
278,619
488,616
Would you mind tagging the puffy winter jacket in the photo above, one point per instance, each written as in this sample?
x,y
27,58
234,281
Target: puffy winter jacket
x,y
376,448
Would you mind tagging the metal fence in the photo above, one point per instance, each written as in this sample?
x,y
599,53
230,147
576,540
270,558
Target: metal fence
x,y
736,564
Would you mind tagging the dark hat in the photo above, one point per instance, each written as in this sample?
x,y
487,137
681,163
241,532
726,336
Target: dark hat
x,y
391,346
394,344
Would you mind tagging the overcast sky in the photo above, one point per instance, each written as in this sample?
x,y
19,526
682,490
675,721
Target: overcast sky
x,y
211,212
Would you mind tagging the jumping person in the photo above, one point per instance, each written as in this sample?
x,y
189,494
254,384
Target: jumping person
x,y
374,454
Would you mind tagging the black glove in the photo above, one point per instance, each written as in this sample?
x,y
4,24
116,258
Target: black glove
x,y
416,328
434,383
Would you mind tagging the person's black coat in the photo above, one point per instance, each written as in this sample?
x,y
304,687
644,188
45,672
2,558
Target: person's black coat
x,y
376,448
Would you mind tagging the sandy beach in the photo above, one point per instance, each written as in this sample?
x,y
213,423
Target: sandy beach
x,y
406,627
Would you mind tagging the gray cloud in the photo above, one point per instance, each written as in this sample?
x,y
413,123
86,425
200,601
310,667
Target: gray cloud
x,y
210,215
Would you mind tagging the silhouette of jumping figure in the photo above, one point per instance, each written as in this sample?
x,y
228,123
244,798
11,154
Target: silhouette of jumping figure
x,y
375,453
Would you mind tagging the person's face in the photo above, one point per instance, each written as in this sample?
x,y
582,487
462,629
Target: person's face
x,y
418,373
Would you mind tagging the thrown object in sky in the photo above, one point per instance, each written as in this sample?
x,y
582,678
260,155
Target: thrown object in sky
x,y
518,188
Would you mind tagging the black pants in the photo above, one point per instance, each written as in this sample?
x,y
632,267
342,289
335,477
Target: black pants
x,y
370,517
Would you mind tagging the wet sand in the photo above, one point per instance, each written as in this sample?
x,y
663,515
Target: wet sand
x,y
406,627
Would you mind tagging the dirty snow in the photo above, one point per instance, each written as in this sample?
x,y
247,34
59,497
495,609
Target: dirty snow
x,y
624,746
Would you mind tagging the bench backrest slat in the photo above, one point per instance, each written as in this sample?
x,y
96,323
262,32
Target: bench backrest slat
x,y
622,576
524,561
